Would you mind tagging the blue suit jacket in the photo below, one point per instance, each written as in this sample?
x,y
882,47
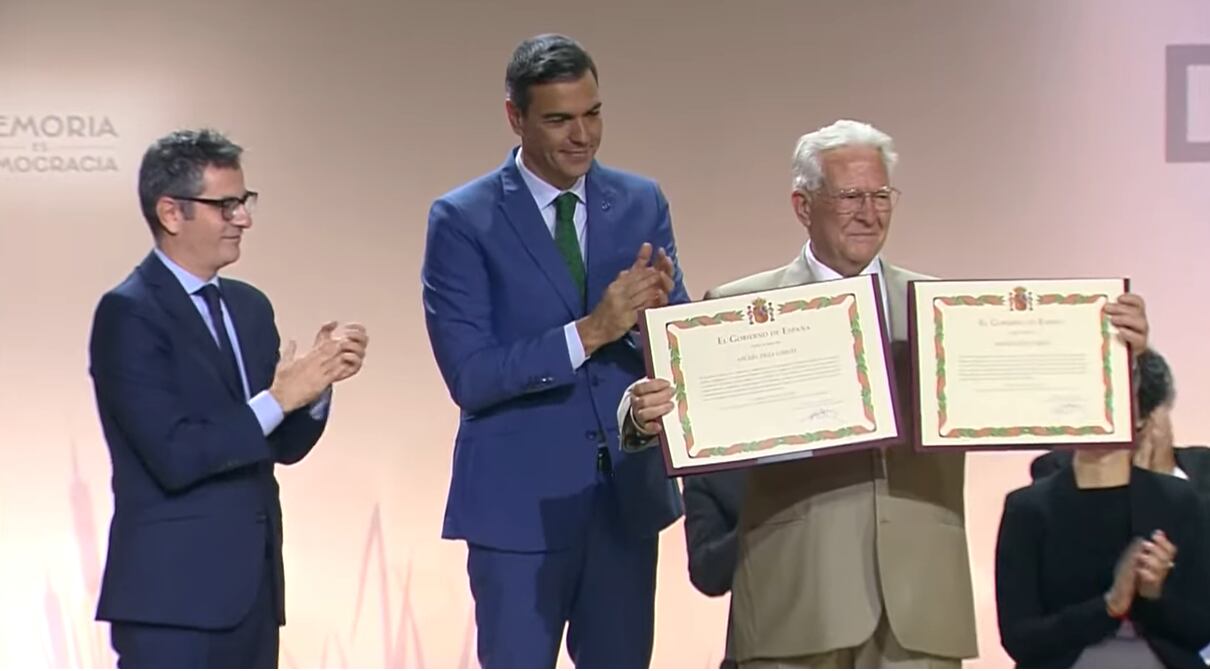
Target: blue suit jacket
x,y
196,508
497,295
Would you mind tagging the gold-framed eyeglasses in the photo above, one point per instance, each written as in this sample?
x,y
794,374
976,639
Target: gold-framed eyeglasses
x,y
229,205
850,201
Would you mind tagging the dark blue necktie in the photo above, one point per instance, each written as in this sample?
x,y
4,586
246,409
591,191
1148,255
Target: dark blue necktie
x,y
214,305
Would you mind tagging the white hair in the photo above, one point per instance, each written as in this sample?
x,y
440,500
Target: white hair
x,y
808,172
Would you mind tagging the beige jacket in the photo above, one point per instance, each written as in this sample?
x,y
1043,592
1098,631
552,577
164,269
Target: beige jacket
x,y
828,542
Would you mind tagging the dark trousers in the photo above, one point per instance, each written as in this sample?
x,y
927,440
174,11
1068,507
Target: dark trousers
x,y
252,644
602,590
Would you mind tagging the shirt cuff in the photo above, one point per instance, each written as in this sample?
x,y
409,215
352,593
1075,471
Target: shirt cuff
x,y
319,409
267,410
575,348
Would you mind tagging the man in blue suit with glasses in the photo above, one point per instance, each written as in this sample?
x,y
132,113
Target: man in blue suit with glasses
x,y
198,406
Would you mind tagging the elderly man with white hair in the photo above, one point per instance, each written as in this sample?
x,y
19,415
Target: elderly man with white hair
x,y
856,559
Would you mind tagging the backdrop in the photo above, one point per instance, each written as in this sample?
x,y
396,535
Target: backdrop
x,y
1034,135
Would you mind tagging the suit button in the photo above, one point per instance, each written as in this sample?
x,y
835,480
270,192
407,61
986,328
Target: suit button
x,y
596,380
261,517
591,435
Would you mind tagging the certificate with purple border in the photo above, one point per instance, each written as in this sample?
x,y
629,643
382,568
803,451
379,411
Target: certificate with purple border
x,y
1005,364
773,375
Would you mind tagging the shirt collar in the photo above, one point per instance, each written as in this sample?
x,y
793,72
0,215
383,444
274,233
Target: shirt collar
x,y
543,192
189,282
821,272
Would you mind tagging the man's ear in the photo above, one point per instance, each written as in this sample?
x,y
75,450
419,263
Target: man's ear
x,y
515,115
802,207
170,214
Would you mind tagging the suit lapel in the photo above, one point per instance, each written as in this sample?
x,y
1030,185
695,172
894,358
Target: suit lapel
x,y
896,295
600,222
798,272
172,297
523,215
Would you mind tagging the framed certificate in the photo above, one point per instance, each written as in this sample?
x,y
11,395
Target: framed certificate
x,y
773,375
1004,364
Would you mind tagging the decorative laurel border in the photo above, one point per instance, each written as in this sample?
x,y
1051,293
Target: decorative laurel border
x,y
731,316
1014,431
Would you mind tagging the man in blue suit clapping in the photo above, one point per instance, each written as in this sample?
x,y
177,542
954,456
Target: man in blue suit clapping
x,y
197,406
534,275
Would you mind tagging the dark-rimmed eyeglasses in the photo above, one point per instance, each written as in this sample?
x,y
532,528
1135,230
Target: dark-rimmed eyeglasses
x,y
228,206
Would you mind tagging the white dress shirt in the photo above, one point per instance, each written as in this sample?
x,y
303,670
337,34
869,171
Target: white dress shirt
x,y
544,195
822,273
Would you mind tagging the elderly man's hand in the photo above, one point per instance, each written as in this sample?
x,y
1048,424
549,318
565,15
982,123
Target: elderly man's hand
x,y
1129,315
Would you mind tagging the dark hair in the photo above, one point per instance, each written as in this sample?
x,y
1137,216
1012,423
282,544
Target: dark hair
x,y
1155,382
174,165
544,59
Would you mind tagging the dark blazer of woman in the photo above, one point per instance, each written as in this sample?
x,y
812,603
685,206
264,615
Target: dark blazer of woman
x,y
1051,583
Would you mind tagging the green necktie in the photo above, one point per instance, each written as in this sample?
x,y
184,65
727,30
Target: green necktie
x,y
566,239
